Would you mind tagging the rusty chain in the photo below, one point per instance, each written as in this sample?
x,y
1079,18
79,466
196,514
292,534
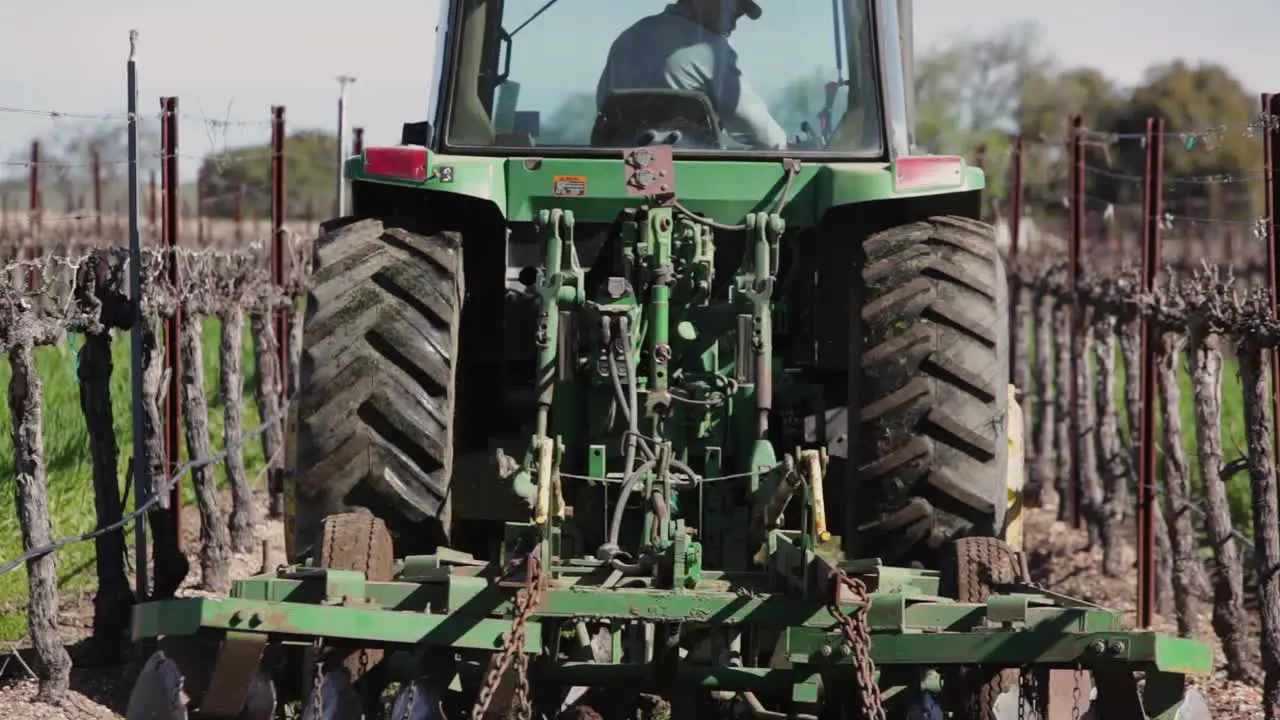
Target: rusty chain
x,y
1075,693
858,637
411,697
317,683
512,650
1029,693
1022,695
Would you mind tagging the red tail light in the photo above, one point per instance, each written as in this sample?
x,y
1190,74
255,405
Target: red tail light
x,y
406,162
925,171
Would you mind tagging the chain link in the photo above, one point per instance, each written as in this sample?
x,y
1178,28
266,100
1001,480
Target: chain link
x,y
1029,693
513,646
364,661
1022,695
1075,694
411,697
858,637
317,685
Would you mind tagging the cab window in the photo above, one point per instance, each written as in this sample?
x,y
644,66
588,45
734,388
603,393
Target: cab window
x,y
618,73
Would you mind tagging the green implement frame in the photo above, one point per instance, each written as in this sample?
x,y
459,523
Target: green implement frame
x,y
454,603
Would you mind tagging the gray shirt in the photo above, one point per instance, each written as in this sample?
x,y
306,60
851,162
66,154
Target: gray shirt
x,y
672,51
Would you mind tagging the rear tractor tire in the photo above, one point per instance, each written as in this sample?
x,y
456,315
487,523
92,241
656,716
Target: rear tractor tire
x,y
928,391
375,414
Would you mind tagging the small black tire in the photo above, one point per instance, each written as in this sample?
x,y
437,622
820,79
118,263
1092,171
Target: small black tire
x,y
969,573
358,542
928,397
375,413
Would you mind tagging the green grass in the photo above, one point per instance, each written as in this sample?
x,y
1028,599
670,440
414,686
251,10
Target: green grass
x,y
69,467
1234,441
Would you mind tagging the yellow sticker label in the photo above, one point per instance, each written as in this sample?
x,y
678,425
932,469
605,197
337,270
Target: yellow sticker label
x,y
569,186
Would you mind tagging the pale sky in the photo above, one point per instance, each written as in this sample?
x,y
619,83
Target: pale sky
x,y
235,58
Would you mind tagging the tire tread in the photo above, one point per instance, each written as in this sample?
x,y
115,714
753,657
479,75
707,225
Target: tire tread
x,y
928,453
377,391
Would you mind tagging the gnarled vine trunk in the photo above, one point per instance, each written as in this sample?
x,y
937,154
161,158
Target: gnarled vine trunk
x,y
1229,620
1266,517
1176,483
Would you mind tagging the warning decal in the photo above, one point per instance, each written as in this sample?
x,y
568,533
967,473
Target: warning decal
x,y
569,186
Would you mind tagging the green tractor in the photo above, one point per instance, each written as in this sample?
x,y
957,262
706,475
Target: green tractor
x,y
626,393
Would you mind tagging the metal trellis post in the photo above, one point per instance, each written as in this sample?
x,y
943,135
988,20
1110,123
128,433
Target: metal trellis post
x,y
1271,156
279,244
1152,251
1076,230
173,329
141,468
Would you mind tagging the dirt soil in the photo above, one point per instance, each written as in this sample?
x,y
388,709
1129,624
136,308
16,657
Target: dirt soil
x,y
1061,560
103,692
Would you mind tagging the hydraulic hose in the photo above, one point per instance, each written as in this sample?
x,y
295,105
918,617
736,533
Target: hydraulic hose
x,y
631,474
606,328
629,482
633,404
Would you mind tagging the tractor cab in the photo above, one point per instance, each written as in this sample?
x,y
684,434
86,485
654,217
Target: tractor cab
x,y
726,77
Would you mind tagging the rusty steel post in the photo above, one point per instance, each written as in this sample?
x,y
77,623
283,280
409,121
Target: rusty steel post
x,y
237,213
151,194
279,245
173,328
1015,232
980,162
1075,232
96,160
33,216
1271,156
1152,253
200,209
279,268
34,190
357,141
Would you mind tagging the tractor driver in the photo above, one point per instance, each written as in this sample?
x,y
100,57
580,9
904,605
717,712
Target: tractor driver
x,y
686,47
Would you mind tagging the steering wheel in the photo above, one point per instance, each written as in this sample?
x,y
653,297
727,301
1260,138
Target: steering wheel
x,y
808,138
811,138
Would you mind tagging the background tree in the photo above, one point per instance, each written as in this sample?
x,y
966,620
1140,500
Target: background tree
x,y
309,166
1046,101
969,94
66,176
1195,98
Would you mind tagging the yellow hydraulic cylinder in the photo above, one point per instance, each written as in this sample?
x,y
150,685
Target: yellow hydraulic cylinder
x,y
813,465
546,449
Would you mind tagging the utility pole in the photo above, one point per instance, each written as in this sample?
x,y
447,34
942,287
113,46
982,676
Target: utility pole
x,y
340,208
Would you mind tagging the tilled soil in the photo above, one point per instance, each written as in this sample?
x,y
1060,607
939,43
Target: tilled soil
x,y
1061,560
